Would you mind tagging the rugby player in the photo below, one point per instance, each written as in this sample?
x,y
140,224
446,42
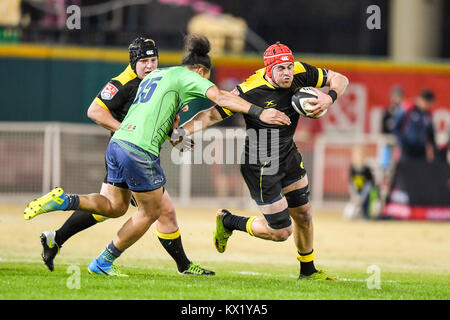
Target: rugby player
x,y
278,183
132,155
108,110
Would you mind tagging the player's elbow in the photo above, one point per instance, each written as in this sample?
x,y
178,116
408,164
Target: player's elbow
x,y
94,113
345,81
342,80
337,80
91,114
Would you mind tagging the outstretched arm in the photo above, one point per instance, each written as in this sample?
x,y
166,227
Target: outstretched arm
x,y
202,120
236,104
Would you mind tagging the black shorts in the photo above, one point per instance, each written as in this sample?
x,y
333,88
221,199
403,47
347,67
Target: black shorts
x,y
263,187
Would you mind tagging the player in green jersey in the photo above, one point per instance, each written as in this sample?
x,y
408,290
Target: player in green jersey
x,y
133,152
108,110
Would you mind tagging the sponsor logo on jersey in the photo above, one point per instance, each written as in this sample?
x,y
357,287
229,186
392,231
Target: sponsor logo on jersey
x,y
109,92
269,104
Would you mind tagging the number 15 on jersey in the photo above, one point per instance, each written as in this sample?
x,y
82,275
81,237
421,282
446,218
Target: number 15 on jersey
x,y
146,90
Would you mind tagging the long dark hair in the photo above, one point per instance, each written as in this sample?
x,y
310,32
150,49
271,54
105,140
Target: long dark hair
x,y
197,48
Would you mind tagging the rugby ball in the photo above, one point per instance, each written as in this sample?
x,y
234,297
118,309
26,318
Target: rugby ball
x,y
301,105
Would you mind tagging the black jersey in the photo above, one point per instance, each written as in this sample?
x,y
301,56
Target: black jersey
x,y
119,93
260,92
359,177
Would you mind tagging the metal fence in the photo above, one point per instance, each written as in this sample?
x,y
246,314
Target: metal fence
x,y
35,157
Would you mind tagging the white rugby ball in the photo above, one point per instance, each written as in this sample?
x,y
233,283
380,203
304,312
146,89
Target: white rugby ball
x,y
301,105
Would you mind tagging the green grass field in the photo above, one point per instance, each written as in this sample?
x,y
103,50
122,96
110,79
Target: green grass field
x,y
412,257
31,280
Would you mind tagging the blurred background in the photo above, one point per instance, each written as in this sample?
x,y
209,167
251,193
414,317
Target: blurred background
x,y
56,55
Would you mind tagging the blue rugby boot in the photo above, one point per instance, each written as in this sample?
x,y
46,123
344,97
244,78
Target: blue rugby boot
x,y
103,265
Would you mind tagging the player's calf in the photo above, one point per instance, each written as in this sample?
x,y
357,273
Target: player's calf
x,y
275,226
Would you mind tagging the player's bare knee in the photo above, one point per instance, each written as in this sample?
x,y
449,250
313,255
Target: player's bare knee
x,y
168,217
121,207
281,234
118,210
302,214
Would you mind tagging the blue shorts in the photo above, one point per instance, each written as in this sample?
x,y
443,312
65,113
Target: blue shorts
x,y
131,165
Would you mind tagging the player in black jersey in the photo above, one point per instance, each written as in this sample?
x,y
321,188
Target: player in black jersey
x,y
272,168
108,110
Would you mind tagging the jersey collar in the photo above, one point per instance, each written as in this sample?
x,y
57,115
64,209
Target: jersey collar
x,y
261,72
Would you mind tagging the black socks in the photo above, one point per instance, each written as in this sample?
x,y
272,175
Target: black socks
x,y
232,222
77,222
175,248
307,267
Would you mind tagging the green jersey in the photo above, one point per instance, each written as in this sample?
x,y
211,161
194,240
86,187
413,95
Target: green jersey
x,y
161,95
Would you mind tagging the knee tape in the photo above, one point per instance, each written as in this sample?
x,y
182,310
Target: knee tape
x,y
298,197
279,220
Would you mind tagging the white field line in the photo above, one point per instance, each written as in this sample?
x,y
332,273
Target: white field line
x,y
250,273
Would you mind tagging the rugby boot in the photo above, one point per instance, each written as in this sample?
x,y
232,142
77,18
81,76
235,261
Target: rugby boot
x,y
55,200
49,248
97,268
195,270
318,275
221,234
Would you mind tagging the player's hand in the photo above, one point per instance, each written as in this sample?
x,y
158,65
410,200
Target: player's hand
x,y
176,122
179,137
274,116
322,103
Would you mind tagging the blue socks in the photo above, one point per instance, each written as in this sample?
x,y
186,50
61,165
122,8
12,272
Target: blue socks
x,y
111,253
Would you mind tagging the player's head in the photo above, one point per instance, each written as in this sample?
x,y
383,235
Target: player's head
x,y
279,63
397,95
358,156
143,56
197,58
426,99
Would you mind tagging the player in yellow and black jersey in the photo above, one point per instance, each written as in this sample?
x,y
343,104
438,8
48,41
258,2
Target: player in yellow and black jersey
x,y
272,166
118,94
108,109
260,92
